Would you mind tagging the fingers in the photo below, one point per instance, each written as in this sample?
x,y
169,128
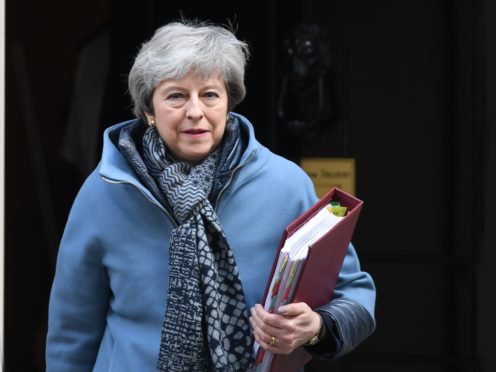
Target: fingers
x,y
294,309
272,331
281,333
271,343
267,321
265,325
267,342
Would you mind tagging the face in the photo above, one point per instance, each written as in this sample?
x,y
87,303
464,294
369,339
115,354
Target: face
x,y
190,115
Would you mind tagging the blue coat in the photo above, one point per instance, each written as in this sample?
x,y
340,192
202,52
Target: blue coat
x,y
109,293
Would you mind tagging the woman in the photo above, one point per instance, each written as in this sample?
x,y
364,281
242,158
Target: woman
x,y
167,250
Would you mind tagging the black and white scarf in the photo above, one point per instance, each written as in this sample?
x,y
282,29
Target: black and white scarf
x,y
206,325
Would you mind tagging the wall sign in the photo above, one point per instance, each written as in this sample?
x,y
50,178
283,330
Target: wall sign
x,y
328,172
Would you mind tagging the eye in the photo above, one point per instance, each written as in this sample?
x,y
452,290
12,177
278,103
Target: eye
x,y
175,96
211,95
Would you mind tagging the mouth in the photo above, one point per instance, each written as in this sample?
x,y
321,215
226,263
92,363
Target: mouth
x,y
195,131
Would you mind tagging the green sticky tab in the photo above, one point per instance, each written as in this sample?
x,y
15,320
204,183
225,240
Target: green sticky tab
x,y
339,211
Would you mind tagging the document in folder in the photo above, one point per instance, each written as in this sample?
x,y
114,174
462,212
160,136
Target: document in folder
x,y
307,265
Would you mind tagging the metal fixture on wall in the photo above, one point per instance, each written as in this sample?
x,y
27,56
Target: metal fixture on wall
x,y
305,96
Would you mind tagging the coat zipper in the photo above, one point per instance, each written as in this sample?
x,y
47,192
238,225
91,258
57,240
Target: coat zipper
x,y
173,220
235,170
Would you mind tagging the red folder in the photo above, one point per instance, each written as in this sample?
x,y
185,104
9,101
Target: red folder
x,y
321,268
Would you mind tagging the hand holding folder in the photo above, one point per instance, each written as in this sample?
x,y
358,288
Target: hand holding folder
x,y
307,265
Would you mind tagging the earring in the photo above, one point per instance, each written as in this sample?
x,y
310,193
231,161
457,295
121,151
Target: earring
x,y
151,123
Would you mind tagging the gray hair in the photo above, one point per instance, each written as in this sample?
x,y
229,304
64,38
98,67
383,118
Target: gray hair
x,y
178,47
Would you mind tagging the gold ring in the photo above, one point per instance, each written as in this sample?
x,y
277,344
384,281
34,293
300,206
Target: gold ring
x,y
273,341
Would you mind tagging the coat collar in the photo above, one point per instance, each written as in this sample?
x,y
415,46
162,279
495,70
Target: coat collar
x,y
114,166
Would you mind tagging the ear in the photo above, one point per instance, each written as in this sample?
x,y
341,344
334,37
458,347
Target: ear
x,y
150,119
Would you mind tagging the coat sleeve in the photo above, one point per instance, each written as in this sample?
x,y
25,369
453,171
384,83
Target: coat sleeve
x,y
349,316
79,296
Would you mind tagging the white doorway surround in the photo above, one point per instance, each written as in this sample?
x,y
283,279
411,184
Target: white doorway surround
x,y
2,169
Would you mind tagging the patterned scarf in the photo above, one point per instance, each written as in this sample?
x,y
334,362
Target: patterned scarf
x,y
206,322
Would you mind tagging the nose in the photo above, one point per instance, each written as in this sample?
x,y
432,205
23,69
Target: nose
x,y
194,110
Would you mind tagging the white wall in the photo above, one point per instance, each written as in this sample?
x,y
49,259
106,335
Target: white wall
x,y
2,163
